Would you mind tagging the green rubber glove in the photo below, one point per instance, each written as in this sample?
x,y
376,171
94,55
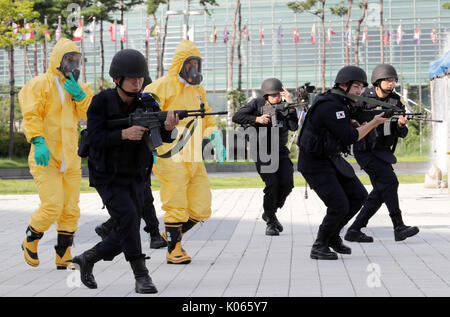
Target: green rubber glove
x,y
216,141
41,152
71,85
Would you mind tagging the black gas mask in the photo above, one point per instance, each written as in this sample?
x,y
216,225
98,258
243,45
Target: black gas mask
x,y
194,73
70,63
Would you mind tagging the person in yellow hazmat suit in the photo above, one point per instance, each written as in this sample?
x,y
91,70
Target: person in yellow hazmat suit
x,y
52,104
185,191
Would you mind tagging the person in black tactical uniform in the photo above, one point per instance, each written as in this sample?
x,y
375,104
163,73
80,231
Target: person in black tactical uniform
x,y
375,155
148,211
280,182
118,167
328,132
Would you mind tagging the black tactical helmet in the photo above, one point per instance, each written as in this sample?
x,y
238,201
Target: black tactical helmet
x,y
271,86
383,71
128,63
351,73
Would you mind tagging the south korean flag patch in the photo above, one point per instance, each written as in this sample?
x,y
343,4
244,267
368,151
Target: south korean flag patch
x,y
340,114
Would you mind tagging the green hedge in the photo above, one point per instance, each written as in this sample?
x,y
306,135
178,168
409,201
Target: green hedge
x,y
21,146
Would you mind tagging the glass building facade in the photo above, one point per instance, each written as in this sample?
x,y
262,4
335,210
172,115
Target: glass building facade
x,y
278,53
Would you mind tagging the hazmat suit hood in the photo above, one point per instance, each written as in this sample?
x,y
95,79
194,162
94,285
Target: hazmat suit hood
x,y
184,50
61,47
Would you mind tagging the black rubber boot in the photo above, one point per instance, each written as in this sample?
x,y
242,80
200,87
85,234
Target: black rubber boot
x,y
156,241
144,283
337,245
29,246
354,235
86,262
320,249
188,225
403,232
63,257
274,220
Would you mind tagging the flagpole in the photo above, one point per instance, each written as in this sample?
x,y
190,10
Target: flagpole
x,y
281,51
260,51
115,35
82,49
296,54
420,95
401,58
45,47
95,58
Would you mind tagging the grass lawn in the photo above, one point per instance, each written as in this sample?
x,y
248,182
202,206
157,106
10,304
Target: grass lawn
x,y
28,186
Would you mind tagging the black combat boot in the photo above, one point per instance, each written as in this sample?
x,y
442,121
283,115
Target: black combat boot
x,y
402,232
105,228
320,249
86,263
274,220
156,241
337,245
354,235
144,283
272,230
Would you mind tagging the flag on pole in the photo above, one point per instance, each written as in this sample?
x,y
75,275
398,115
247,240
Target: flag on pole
x,y
46,34
279,34
58,32
123,33
147,31
386,38
329,33
29,35
348,36
213,37
191,33
313,34
15,28
78,34
417,35
112,31
225,35
433,35
245,30
365,36
92,32
399,35
296,35
261,35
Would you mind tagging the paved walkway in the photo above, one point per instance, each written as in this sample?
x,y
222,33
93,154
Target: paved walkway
x,y
233,257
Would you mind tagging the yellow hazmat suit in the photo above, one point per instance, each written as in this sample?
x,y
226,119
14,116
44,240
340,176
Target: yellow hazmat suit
x,y
185,191
51,112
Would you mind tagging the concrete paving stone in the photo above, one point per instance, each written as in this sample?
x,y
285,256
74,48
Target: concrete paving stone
x,y
232,256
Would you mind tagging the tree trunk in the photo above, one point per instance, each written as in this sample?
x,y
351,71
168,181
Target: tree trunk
x,y
239,49
230,106
163,46
11,94
35,57
146,44
322,17
102,57
347,53
358,29
381,33
157,40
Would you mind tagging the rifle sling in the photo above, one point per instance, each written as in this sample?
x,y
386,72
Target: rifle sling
x,y
185,136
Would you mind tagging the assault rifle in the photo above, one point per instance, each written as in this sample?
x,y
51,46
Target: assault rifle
x,y
154,120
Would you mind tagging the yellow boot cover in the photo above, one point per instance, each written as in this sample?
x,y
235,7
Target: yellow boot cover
x,y
63,256
178,255
29,246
